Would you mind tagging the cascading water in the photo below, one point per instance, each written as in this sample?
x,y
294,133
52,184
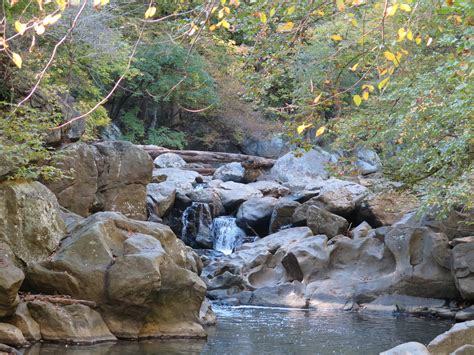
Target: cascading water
x,y
226,234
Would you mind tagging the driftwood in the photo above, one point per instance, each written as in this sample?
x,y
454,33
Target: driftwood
x,y
64,300
197,156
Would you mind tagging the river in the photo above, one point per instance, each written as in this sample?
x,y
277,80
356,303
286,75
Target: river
x,y
260,330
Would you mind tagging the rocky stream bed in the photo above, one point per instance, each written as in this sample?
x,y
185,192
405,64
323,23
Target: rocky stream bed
x,y
131,248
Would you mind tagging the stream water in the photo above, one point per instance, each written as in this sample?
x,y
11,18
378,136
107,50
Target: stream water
x,y
260,330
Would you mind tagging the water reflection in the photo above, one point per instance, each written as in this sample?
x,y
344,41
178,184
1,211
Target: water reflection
x,y
246,330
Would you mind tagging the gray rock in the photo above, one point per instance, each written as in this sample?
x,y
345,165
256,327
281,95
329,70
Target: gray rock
x,y
111,133
368,161
341,197
386,208
30,221
160,198
320,221
196,230
169,160
23,320
459,335
11,335
361,231
183,180
402,303
210,196
233,194
8,350
465,314
282,214
75,323
411,348
106,176
467,349
304,169
269,148
132,270
463,269
254,214
11,278
230,172
270,188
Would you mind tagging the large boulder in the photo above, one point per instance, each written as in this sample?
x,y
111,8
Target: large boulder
x,y
320,221
254,214
23,320
74,323
463,269
30,221
138,273
209,195
77,191
301,170
160,198
341,197
197,225
11,278
270,188
448,342
182,180
386,208
230,172
169,160
407,348
271,148
106,176
368,161
11,335
282,214
233,194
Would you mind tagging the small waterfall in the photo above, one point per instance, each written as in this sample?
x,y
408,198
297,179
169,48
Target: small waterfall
x,y
197,223
226,234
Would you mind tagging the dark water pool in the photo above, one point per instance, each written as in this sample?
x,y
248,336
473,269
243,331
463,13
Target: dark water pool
x,y
243,330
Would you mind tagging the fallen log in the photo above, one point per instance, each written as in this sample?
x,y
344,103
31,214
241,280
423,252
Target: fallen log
x,y
198,156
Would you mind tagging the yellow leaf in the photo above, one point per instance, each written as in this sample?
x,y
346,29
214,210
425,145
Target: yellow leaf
x,y
226,10
220,14
272,12
354,67
418,39
223,2
96,3
368,87
150,12
104,2
39,29
365,95
320,131
389,55
263,17
20,27
50,20
383,83
357,99
300,129
290,10
405,7
354,22
17,59
401,34
357,2
317,98
340,5
410,35
392,10
286,27
212,28
336,38
225,24
404,51
61,4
